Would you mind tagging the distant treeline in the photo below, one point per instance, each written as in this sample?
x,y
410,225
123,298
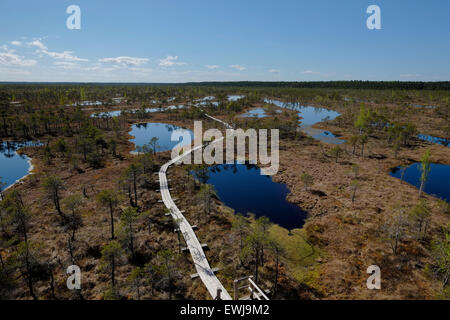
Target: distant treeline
x,y
376,85
354,84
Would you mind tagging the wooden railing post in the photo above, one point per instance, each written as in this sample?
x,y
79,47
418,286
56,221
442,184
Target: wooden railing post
x,y
219,291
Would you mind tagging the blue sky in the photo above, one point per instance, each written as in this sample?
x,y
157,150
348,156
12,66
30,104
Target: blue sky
x,y
226,40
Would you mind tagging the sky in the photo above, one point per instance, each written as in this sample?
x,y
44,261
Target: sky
x,y
224,40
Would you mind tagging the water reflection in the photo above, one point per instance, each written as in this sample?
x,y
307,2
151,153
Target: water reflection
x,y
117,113
235,97
243,188
438,178
144,132
310,116
432,139
14,166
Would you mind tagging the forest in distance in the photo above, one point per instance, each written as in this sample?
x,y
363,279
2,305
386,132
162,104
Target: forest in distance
x,y
347,84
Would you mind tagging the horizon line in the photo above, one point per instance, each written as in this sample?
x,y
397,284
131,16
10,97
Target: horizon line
x,y
219,81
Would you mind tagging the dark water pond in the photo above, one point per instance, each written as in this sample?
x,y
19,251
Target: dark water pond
x,y
12,165
438,180
144,132
310,116
243,188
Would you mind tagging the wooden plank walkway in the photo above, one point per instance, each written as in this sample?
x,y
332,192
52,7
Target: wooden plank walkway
x,y
202,266
218,120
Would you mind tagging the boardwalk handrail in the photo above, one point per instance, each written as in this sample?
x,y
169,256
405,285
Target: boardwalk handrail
x,y
257,288
251,286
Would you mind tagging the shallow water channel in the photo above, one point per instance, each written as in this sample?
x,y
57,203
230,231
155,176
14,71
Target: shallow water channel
x,y
310,116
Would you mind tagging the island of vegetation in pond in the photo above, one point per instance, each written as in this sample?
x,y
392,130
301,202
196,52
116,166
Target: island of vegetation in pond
x,y
309,117
258,113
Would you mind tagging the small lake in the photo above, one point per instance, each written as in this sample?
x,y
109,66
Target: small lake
x,y
208,98
310,116
258,113
116,113
235,97
322,135
243,188
144,132
441,141
438,179
86,104
208,103
107,114
14,166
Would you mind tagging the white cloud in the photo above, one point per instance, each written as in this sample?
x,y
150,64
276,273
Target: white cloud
x,y
274,71
170,61
212,67
65,55
16,43
11,59
125,61
308,72
237,67
95,67
38,44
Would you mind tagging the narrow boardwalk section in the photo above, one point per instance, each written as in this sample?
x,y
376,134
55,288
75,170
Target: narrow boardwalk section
x,y
204,271
218,120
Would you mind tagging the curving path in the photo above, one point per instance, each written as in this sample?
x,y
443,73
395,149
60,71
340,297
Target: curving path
x,y
204,271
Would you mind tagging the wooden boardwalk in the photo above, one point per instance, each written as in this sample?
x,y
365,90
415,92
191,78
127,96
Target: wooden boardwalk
x,y
218,120
204,270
